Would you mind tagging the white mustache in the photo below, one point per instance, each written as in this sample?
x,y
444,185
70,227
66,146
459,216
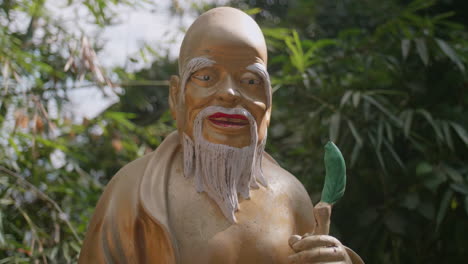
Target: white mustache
x,y
230,111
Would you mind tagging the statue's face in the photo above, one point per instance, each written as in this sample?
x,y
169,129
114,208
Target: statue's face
x,y
232,81
223,63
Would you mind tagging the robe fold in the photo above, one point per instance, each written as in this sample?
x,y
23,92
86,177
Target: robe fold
x,y
130,223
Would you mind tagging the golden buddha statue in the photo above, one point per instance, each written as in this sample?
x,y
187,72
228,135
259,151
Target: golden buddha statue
x,y
209,193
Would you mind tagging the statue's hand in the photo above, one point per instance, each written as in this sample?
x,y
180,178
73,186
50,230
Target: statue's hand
x,y
318,249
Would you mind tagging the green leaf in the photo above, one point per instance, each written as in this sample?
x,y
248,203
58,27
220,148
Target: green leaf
x,y
253,11
122,118
431,121
405,47
443,16
355,133
334,127
460,188
2,238
453,56
335,178
345,97
407,125
389,132
434,180
423,168
466,204
444,204
355,154
277,33
411,201
448,134
453,174
422,50
427,210
394,154
460,131
356,98
382,108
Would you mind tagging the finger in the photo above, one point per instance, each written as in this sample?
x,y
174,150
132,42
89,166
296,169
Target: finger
x,y
321,254
315,241
314,256
293,239
322,213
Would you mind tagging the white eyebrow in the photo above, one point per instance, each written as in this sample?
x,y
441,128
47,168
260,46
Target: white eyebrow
x,y
262,71
192,66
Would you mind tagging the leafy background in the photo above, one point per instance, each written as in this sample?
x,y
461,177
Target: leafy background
x,y
386,80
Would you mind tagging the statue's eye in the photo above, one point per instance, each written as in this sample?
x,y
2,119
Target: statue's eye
x,y
250,81
204,78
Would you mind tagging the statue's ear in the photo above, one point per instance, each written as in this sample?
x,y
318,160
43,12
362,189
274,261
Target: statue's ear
x,y
174,88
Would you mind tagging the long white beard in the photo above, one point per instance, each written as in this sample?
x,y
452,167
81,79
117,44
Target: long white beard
x,y
223,171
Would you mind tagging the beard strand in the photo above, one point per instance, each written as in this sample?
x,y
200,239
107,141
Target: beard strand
x,y
223,171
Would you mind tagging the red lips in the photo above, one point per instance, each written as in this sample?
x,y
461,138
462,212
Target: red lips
x,y
220,115
228,120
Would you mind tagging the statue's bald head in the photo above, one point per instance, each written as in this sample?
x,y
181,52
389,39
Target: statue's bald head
x,y
222,63
224,31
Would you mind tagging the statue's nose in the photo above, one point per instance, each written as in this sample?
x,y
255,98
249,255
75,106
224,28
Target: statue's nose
x,y
228,92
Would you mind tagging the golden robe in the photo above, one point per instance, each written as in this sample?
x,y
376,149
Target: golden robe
x,y
130,222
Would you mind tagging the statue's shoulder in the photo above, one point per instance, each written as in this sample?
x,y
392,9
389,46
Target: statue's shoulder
x,y
279,175
133,172
283,183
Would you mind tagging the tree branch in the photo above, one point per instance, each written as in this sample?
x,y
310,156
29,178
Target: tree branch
x,y
43,196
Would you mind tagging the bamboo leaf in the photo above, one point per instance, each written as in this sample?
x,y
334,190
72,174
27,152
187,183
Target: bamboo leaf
x,y
408,121
466,204
460,188
453,56
448,134
460,131
389,131
335,178
453,174
444,204
422,50
380,135
405,48
356,98
334,128
253,11
345,97
431,121
394,154
355,154
382,108
355,133
381,160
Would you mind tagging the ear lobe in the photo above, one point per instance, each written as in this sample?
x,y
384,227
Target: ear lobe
x,y
174,95
268,115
